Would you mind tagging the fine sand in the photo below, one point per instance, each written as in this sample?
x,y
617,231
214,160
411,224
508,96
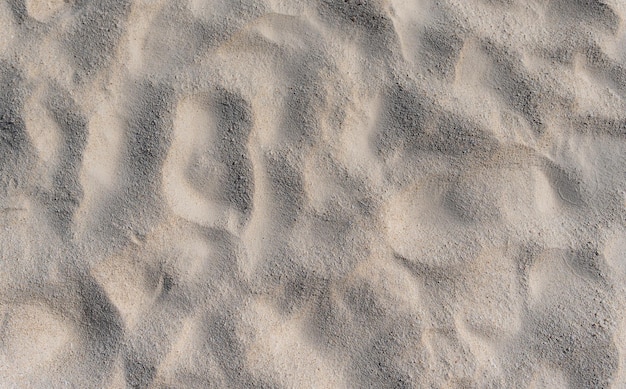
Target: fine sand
x,y
313,194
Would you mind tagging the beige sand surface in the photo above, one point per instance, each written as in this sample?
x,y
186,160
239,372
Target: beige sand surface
x,y
312,194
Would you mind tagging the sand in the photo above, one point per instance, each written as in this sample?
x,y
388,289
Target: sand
x,y
313,194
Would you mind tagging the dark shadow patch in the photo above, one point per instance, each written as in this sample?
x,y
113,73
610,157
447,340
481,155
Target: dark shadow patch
x,y
103,327
365,14
407,115
15,147
19,10
138,375
457,136
569,184
149,131
377,366
442,43
229,351
519,89
303,100
369,19
167,283
148,140
599,125
606,69
67,192
234,116
414,123
588,263
471,200
579,345
361,299
594,12
301,287
287,188
331,324
94,37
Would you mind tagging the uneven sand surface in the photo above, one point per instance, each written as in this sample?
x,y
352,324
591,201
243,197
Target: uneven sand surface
x,y
313,194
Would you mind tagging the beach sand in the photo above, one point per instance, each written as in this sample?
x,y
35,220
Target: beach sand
x,y
312,194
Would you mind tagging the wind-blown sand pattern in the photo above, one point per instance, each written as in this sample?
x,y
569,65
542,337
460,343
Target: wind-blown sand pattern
x,y
312,194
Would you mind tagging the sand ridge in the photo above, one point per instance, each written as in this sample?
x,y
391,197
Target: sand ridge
x,y
328,194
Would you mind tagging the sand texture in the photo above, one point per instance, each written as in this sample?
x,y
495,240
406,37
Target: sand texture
x,y
313,194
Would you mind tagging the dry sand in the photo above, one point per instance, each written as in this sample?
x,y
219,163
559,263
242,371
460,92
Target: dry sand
x,y
313,194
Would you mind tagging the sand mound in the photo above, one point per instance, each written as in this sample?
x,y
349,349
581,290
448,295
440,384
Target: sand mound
x,y
327,194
